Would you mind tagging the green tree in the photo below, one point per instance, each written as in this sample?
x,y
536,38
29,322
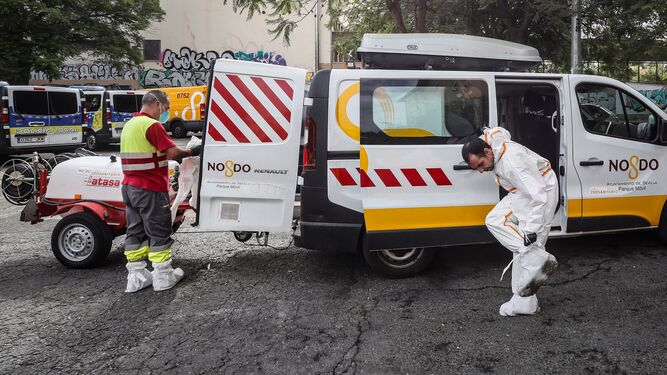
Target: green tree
x,y
615,32
39,35
620,32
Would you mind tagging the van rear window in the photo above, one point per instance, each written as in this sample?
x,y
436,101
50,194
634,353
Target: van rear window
x,y
31,103
127,103
63,103
422,111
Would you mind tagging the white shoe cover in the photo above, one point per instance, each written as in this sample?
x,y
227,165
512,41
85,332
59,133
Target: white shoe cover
x,y
164,276
536,265
138,277
518,305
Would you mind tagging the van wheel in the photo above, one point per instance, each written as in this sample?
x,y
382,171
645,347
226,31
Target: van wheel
x,y
81,240
662,227
178,130
400,263
91,142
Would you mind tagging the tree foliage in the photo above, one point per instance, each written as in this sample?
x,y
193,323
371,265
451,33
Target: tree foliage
x,y
39,35
615,31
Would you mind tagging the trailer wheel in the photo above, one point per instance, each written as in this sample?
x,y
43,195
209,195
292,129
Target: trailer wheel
x,y
81,240
400,263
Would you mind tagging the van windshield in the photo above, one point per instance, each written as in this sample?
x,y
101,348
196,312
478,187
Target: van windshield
x,y
94,102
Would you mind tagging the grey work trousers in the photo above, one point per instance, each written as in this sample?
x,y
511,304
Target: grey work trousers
x,y
149,227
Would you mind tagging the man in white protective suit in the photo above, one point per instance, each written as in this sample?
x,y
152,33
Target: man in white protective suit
x,y
522,219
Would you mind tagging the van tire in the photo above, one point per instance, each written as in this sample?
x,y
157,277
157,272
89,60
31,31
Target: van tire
x,y
178,129
397,264
81,240
662,227
91,142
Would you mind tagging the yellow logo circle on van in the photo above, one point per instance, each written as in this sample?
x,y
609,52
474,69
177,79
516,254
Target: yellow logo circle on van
x,y
344,123
363,159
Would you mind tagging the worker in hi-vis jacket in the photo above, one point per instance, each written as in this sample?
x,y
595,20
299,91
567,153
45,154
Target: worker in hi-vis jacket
x,y
521,221
145,149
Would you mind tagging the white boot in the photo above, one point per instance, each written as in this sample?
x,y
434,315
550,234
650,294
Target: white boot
x,y
138,277
165,276
536,265
520,306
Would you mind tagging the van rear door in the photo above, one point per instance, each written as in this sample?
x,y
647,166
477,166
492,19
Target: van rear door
x,y
251,144
123,105
65,116
28,116
416,190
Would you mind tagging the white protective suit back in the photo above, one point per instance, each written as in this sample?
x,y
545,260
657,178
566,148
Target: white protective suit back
x,y
187,178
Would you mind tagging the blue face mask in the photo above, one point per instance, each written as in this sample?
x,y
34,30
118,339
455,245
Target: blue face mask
x,y
164,116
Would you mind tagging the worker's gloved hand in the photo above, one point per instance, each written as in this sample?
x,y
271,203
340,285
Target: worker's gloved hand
x,y
196,150
529,238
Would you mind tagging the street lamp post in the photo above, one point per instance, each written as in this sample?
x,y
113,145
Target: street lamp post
x,y
575,52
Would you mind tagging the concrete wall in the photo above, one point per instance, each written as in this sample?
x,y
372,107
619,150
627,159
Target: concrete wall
x,y
193,33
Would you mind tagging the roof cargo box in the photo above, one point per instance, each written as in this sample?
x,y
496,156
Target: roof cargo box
x,y
444,52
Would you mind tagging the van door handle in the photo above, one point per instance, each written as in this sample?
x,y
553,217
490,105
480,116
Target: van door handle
x,y
36,123
461,167
588,163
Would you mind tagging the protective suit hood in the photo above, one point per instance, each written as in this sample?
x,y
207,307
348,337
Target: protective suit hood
x,y
495,137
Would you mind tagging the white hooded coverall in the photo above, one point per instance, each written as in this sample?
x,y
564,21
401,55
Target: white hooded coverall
x,y
529,207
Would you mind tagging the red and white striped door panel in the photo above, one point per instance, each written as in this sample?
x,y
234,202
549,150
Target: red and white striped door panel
x,y
250,109
251,147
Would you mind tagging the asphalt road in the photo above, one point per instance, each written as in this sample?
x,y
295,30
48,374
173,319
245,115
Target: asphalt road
x,y
243,309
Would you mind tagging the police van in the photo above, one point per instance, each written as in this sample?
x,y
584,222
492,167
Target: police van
x,y
382,167
40,118
108,111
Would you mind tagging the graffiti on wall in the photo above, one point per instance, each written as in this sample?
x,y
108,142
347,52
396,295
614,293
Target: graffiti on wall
x,y
84,71
187,67
657,96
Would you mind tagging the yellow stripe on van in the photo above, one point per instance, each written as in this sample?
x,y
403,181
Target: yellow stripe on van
x,y
59,129
574,208
648,207
425,217
380,219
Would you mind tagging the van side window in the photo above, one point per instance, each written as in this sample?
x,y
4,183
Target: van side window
x,y
31,103
612,112
422,111
63,103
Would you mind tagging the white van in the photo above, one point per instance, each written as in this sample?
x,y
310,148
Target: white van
x,y
383,173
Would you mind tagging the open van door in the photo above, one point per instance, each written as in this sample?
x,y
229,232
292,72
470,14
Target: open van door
x,y
251,145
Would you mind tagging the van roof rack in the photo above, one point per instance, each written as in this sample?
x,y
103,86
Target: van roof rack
x,y
444,52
